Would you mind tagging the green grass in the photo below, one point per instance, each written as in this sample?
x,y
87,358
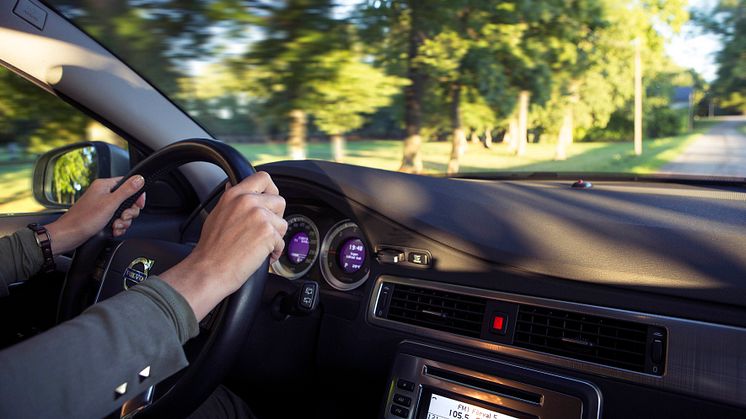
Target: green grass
x,y
581,157
15,189
15,177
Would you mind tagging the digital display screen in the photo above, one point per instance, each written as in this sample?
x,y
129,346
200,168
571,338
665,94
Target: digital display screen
x,y
442,407
298,247
352,255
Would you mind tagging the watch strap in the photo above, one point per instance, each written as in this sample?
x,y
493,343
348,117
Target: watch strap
x,y
45,244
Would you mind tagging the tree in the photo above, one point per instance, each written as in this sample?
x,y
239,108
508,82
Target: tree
x,y
297,35
728,20
73,172
35,119
155,37
356,88
395,32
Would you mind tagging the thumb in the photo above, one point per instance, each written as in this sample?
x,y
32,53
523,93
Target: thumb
x,y
130,187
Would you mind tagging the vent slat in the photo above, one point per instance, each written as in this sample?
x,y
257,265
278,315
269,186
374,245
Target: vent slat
x,y
586,333
440,310
585,320
446,316
596,339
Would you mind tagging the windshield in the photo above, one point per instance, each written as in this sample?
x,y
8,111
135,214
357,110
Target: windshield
x,y
450,86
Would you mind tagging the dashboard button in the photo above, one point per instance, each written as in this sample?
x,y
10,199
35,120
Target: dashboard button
x,y
499,323
657,352
399,411
419,258
390,256
402,400
405,385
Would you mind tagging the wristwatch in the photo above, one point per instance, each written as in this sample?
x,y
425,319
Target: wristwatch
x,y
45,244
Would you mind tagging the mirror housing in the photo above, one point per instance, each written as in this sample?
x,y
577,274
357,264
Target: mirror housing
x,y
63,174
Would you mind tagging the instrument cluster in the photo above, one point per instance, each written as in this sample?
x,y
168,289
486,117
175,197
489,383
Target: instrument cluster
x,y
343,254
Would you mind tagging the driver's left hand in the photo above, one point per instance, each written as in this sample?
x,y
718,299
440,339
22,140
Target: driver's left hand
x,y
93,211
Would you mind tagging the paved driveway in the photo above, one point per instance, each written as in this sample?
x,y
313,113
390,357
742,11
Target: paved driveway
x,y
721,151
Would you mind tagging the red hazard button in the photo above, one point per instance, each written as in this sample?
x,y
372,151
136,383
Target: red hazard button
x,y
499,323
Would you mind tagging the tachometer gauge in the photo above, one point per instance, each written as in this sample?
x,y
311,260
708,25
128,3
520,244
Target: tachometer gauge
x,y
344,256
301,247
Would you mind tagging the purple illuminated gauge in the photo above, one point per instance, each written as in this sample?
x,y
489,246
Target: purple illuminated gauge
x,y
298,247
301,248
352,255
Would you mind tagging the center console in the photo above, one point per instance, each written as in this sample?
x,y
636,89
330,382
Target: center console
x,y
429,382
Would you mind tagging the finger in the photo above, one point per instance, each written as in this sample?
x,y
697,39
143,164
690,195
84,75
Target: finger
x,y
279,224
140,203
259,182
274,203
118,232
130,213
120,224
129,188
279,246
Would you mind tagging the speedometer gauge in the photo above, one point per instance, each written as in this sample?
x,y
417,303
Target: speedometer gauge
x,y
344,256
301,247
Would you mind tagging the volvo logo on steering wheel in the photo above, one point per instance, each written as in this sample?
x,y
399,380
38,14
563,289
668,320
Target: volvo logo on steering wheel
x,y
137,271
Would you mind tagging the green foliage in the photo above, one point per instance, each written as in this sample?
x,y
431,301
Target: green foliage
x,y
662,121
73,172
355,89
154,37
297,35
728,20
34,118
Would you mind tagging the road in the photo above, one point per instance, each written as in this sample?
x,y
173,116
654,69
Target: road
x,y
721,151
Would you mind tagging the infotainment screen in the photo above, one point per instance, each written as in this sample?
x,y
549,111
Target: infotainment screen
x,y
442,407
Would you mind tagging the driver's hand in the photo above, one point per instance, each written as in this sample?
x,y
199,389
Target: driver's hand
x,y
244,228
93,211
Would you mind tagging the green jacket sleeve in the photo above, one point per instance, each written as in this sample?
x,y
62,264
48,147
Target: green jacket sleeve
x,y
20,257
72,370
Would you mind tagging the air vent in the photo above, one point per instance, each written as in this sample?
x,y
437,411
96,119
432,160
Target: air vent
x,y
601,340
440,310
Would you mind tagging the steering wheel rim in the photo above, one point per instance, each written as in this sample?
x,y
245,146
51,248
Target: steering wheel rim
x,y
232,318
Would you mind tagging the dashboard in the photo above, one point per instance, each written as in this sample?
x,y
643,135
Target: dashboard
x,y
446,298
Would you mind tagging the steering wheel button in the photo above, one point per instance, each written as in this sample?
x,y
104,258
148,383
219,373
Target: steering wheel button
x,y
120,390
145,373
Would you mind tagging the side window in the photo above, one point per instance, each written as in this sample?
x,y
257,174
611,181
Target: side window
x,y
32,122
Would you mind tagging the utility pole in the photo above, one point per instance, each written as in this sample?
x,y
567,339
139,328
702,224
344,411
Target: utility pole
x,y
638,98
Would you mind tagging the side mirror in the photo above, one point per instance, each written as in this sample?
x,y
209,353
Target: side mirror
x,y
63,174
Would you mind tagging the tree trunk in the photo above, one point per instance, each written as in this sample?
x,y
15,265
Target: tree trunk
x,y
412,160
638,99
338,147
474,138
511,136
488,138
297,139
458,141
565,134
523,99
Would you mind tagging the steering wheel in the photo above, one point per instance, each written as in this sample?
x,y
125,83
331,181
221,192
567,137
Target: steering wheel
x,y
93,277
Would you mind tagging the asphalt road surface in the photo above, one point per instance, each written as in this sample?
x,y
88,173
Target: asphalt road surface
x,y
721,151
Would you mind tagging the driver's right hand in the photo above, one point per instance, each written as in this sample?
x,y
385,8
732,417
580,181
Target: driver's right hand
x,y
244,228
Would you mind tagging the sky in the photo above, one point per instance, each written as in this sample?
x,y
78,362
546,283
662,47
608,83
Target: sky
x,y
692,49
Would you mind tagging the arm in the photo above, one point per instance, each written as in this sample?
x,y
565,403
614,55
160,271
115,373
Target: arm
x,y
73,369
21,257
